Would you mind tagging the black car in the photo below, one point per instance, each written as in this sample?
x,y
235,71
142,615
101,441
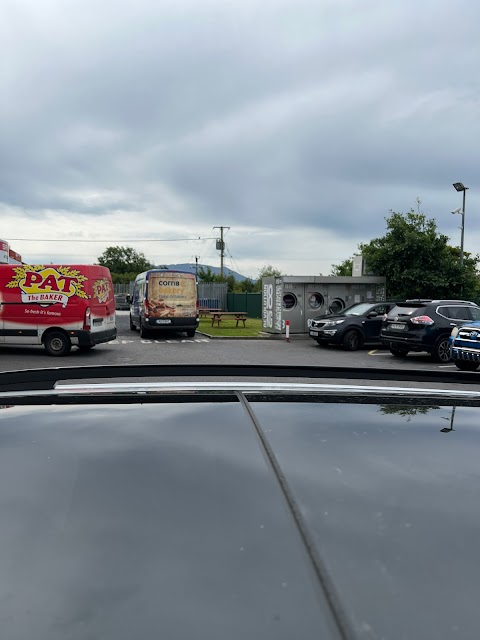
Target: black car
x,y
359,324
122,301
233,510
425,325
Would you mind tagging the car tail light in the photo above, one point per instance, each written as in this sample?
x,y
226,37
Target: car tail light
x,y
423,320
87,322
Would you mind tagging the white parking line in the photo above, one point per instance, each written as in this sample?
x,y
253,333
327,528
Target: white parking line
x,y
116,342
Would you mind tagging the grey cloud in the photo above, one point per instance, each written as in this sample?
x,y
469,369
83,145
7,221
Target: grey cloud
x,y
293,113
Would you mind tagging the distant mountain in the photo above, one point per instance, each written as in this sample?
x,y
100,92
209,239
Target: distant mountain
x,y
216,270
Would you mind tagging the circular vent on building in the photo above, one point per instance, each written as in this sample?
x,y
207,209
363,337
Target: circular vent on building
x,y
315,301
289,301
337,305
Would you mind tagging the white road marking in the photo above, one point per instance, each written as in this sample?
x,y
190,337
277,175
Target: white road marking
x,y
179,341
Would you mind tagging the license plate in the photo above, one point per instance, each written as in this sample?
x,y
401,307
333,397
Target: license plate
x,y
164,321
314,333
398,327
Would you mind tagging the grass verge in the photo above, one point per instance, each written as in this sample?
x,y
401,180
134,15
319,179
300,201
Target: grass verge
x,y
228,328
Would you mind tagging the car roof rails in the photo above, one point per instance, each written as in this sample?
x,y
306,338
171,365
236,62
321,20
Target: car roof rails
x,y
438,301
443,301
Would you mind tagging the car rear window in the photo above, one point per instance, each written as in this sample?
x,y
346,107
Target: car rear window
x,y
405,311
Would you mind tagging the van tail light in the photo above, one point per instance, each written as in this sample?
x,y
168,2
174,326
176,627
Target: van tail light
x,y
145,309
422,320
87,323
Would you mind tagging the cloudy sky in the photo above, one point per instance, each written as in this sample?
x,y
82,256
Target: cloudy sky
x,y
297,123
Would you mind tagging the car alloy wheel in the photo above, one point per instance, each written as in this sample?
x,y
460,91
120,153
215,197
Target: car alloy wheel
x,y
442,350
352,341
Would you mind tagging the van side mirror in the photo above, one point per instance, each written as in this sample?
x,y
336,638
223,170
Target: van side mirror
x,y
129,299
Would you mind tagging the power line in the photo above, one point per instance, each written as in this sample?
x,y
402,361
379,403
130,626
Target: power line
x,y
231,258
109,240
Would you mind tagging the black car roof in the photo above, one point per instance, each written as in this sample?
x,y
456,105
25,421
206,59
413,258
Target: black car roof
x,y
253,514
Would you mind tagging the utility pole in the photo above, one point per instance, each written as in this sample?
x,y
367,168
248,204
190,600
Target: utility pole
x,y
221,246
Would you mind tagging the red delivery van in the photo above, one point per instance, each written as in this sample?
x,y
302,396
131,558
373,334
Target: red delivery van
x,y
57,306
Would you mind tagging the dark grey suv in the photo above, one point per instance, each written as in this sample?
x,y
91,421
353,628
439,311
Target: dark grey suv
x,y
425,325
359,324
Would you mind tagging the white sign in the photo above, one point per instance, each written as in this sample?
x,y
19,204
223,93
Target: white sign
x,y
267,312
357,266
278,305
3,252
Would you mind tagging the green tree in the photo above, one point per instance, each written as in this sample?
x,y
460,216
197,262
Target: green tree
x,y
124,278
418,261
342,269
265,272
268,270
123,260
231,282
245,286
207,275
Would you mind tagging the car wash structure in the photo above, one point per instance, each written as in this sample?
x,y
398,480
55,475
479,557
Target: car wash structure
x,y
299,299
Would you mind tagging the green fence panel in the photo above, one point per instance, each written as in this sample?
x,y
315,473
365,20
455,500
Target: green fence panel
x,y
250,303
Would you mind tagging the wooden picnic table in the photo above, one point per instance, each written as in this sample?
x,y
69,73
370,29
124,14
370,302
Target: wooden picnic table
x,y
240,316
204,311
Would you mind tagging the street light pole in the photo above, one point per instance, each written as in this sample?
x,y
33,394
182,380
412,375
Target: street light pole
x,y
463,228
459,186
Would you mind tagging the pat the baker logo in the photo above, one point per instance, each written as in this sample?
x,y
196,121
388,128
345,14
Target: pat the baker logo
x,y
46,285
101,290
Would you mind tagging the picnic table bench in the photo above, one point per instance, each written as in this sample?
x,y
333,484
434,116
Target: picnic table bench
x,y
239,316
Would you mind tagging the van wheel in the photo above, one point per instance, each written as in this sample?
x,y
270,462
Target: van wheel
x,y
57,344
143,332
190,333
441,352
132,326
352,340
